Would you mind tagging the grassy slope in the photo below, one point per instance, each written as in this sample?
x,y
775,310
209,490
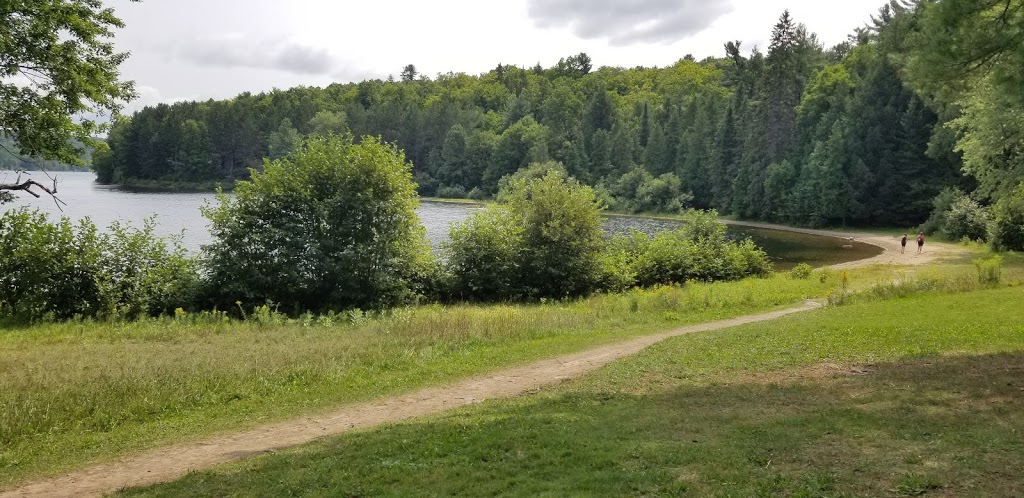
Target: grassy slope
x,y
77,393
902,397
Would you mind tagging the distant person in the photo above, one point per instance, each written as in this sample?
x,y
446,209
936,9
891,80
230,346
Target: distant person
x,y
920,242
903,244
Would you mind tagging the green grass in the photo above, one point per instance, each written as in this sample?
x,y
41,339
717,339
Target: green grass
x,y
914,396
77,393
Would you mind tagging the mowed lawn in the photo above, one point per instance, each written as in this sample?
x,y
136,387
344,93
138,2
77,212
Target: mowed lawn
x,y
921,395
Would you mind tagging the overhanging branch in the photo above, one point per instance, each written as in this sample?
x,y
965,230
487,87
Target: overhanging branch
x,y
28,185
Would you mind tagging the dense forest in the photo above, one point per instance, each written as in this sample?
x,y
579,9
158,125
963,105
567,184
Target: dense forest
x,y
867,132
12,159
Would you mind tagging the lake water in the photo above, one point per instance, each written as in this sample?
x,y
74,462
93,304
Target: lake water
x,y
179,213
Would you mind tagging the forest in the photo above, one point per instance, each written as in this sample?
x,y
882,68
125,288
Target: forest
x,y
10,160
925,99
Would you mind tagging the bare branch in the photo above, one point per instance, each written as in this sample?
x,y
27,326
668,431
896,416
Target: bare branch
x,y
27,185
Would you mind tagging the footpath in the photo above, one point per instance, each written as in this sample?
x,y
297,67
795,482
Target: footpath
x,y
169,463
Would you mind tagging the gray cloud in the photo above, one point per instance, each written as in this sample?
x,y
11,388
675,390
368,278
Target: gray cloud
x,y
629,22
232,51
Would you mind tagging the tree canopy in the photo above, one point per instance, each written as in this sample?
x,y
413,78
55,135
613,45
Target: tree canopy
x,y
58,75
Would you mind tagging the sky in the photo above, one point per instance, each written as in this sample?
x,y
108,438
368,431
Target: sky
x,y
201,49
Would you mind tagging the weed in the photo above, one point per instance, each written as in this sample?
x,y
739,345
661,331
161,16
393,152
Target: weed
x,y
989,270
917,485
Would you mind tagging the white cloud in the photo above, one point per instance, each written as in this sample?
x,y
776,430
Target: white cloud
x,y
237,50
629,23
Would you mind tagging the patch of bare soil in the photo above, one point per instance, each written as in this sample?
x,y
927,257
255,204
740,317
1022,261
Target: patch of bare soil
x,y
811,373
168,463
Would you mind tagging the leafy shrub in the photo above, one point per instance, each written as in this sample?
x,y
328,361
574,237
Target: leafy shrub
x,y
617,273
966,219
956,216
476,194
63,270
1008,222
451,192
663,194
801,271
562,237
483,255
535,171
332,227
543,241
700,250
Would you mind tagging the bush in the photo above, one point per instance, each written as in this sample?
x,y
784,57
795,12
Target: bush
x,y
1008,222
543,241
801,271
535,171
700,250
966,219
333,227
426,185
956,216
483,256
562,237
476,194
617,271
63,270
452,192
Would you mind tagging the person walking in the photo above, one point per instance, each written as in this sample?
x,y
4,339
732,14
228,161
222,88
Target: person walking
x,y
920,242
903,244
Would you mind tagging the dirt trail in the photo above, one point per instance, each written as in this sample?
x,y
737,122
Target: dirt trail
x,y
165,464
168,463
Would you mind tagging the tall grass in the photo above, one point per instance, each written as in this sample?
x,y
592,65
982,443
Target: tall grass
x,y
987,273
79,391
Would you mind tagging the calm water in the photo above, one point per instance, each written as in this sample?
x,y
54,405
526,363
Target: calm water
x,y
179,213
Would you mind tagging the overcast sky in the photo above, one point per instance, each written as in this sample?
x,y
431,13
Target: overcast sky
x,y
199,49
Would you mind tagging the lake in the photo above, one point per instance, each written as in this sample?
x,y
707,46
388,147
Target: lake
x,y
179,213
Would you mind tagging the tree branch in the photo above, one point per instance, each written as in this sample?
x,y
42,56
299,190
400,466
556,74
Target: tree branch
x,y
26,186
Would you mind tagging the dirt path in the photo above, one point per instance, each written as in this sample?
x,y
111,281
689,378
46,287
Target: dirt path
x,y
165,464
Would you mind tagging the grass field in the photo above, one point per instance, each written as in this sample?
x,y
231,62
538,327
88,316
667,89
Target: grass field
x,y
79,393
82,392
904,397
